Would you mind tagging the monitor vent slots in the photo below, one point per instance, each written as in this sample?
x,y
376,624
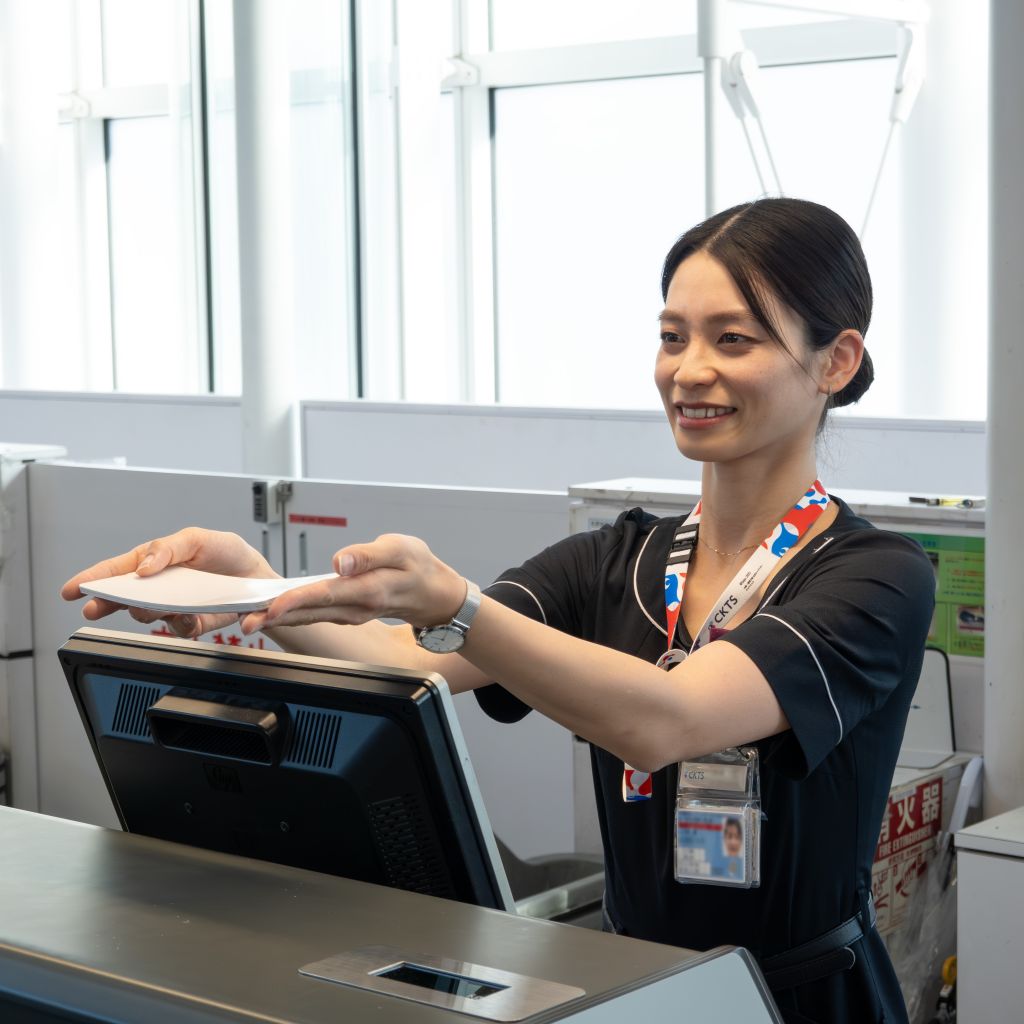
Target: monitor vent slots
x,y
215,740
133,700
314,738
406,848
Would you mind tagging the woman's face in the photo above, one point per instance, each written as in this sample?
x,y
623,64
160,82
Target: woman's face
x,y
730,391
732,839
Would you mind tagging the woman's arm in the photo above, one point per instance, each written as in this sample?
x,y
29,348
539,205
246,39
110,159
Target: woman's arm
x,y
375,643
227,553
650,718
715,699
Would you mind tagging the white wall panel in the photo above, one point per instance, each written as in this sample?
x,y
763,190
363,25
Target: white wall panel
x,y
194,432
78,516
550,449
524,770
473,446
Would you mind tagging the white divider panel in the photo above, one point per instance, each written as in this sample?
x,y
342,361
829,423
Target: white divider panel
x,y
472,446
78,516
524,770
191,432
81,514
502,446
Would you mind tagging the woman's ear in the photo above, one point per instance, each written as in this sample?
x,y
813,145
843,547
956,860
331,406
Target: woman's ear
x,y
844,358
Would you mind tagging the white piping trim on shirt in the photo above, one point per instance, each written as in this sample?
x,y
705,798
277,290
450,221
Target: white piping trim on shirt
x,y
636,592
767,600
510,583
824,678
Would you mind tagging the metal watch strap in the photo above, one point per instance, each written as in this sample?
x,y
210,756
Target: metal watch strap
x,y
459,623
463,618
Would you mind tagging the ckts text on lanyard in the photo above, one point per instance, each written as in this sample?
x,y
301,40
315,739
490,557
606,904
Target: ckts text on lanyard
x,y
636,785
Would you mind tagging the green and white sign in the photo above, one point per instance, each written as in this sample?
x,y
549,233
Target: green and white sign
x,y
959,563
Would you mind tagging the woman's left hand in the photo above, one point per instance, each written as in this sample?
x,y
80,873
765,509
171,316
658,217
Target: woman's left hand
x,y
394,577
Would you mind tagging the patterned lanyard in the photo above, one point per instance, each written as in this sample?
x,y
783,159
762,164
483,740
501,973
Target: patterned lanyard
x,y
795,523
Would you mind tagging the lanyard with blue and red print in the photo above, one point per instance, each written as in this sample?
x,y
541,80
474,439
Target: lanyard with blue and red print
x,y
636,785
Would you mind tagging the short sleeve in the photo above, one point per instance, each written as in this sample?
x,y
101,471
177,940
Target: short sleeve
x,y
553,588
836,650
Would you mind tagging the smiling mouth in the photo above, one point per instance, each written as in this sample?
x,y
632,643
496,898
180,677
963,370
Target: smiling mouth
x,y
704,412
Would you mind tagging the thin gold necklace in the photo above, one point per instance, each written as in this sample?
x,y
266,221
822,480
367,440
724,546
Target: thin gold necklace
x,y
725,554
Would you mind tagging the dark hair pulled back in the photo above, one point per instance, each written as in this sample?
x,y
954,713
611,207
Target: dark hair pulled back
x,y
803,254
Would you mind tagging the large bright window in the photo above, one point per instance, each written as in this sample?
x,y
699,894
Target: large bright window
x,y
595,164
481,194
145,231
593,183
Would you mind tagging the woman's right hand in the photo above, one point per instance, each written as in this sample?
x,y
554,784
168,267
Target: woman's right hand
x,y
209,550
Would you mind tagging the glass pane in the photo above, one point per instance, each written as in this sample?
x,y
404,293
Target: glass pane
x,y
152,255
145,43
526,24
225,312
322,234
321,240
449,221
65,61
66,358
316,33
827,124
594,182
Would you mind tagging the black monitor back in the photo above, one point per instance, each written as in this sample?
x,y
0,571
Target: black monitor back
x,y
336,767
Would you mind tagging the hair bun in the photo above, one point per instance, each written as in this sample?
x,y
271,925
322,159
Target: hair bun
x,y
859,383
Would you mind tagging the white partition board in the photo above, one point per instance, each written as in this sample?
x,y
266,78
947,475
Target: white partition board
x,y
79,515
524,770
503,446
189,432
494,446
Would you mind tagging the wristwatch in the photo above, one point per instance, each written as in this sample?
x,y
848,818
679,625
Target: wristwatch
x,y
452,635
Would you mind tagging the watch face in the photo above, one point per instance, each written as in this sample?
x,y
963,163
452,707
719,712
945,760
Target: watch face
x,y
441,639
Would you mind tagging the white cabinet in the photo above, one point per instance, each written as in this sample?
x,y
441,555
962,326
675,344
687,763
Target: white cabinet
x,y
990,911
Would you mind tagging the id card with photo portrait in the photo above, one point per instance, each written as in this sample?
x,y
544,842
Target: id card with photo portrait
x,y
717,844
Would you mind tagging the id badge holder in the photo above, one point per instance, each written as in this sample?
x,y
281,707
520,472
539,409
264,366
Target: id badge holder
x,y
718,820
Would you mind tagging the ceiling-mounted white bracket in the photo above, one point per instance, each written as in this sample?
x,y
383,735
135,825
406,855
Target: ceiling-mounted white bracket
x,y
457,73
72,106
738,77
909,71
739,82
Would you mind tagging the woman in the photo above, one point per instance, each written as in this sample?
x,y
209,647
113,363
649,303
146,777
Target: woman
x,y
823,620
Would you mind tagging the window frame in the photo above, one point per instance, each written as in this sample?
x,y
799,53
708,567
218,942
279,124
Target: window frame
x,y
476,72
91,107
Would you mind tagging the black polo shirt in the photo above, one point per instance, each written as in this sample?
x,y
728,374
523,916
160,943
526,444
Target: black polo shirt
x,y
839,636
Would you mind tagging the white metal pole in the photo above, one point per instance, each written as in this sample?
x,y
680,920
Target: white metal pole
x,y
712,101
1004,580
715,43
711,16
269,407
